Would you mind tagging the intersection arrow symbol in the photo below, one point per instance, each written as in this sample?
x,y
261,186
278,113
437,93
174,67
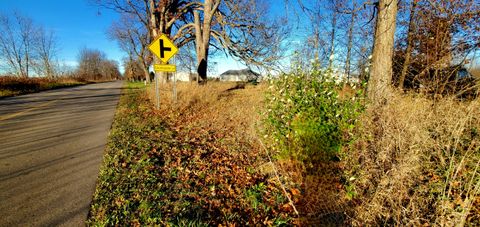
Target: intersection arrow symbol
x,y
163,48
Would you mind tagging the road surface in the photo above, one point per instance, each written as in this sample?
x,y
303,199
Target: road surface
x,y
51,148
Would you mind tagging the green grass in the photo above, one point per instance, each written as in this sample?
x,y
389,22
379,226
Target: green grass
x,y
129,188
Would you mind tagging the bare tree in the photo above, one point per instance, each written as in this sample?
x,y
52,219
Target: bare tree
x,y
332,39
240,29
381,73
27,31
408,50
442,34
109,70
350,36
89,63
16,43
155,17
133,69
93,65
133,39
45,51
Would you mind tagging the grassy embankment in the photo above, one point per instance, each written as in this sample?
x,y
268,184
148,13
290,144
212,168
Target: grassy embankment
x,y
415,161
193,164
12,86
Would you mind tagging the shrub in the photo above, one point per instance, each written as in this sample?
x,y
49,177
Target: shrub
x,y
308,115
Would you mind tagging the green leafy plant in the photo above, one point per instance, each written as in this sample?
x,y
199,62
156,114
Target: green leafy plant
x,y
308,117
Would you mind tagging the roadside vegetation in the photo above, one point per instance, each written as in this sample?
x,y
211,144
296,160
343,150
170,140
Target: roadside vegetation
x,y
195,163
300,149
12,86
414,161
309,117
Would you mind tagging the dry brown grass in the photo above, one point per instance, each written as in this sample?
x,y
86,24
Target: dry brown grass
x,y
416,163
11,86
214,106
219,124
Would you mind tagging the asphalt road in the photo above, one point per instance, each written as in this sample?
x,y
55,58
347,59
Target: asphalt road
x,y
51,148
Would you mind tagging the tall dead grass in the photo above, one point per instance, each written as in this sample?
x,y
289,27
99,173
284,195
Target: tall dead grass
x,y
11,85
214,106
416,161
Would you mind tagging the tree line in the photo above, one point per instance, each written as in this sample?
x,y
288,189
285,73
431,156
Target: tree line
x,y
28,48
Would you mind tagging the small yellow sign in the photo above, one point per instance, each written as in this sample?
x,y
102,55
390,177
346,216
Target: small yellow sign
x,y
163,48
165,68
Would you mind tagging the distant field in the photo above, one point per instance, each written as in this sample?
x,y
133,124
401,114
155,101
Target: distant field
x,y
12,86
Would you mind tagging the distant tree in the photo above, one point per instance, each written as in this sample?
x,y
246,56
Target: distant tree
x,y
133,39
89,63
16,43
109,70
45,51
133,69
26,47
441,36
93,65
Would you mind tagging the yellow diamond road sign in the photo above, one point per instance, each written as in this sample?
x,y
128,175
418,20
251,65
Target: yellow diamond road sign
x,y
163,48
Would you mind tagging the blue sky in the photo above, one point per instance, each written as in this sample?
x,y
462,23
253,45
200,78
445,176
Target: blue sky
x,y
76,24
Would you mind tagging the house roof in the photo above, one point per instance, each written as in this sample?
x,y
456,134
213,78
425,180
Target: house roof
x,y
239,72
475,72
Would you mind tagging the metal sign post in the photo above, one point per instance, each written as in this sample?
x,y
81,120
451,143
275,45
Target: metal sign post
x,y
164,49
174,83
157,91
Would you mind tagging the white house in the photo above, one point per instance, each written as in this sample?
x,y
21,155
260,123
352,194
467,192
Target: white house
x,y
183,76
245,75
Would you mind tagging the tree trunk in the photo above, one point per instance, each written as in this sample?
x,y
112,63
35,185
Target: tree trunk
x,y
141,58
350,42
200,48
332,48
408,51
202,36
156,30
381,73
